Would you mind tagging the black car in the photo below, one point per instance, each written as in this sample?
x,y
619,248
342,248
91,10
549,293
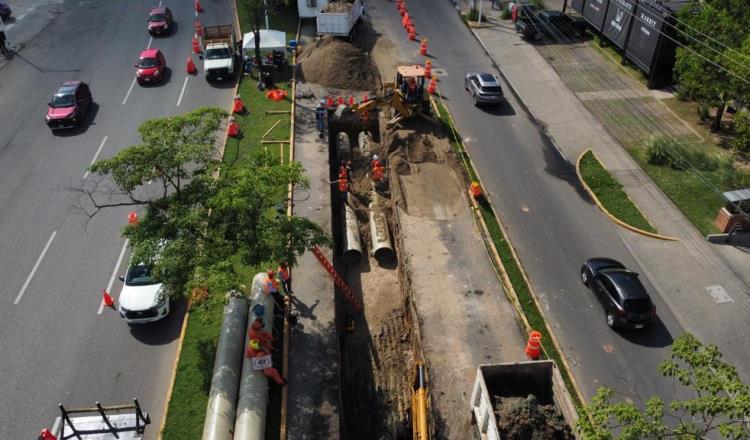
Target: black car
x,y
556,25
626,302
5,11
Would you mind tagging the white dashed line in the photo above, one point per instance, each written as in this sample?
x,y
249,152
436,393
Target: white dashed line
x,y
182,92
33,270
129,90
114,274
86,174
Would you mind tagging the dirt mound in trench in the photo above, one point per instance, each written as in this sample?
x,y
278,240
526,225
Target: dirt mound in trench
x,y
338,64
526,419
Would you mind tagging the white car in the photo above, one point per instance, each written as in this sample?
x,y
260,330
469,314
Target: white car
x,y
142,299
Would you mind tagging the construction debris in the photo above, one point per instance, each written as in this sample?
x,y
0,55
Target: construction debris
x,y
339,64
521,418
339,6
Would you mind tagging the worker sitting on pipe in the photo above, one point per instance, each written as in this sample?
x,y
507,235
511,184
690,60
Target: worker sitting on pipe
x,y
261,359
256,332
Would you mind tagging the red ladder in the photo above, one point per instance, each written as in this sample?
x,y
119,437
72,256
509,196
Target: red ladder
x,y
336,278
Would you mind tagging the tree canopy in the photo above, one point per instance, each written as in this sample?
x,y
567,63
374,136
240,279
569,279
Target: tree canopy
x,y
199,226
719,402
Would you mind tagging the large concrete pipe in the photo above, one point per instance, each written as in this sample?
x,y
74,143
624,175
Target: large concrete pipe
x,y
251,407
382,249
352,245
222,399
343,146
363,140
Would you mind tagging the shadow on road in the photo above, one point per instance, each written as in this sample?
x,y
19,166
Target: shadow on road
x,y
657,335
503,109
88,121
559,167
164,331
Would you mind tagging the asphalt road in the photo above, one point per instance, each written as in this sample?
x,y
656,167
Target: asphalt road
x,y
550,220
55,346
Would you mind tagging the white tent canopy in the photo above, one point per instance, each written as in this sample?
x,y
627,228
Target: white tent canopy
x,y
269,40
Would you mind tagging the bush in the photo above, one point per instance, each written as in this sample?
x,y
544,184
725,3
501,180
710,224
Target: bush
x,y
741,143
663,151
505,14
473,14
702,110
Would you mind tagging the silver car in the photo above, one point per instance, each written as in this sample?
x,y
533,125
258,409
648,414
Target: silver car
x,y
484,88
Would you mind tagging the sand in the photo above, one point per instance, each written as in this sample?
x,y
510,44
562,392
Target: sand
x,y
339,64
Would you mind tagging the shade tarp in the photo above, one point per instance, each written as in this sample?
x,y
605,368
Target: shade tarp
x,y
269,40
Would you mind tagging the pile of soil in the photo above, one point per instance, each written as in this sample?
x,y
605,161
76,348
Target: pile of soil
x,y
338,64
340,6
526,419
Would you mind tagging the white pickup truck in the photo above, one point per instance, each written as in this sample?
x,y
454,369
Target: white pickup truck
x,y
219,58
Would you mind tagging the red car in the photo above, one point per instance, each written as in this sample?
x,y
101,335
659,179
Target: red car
x,y
159,20
68,105
151,66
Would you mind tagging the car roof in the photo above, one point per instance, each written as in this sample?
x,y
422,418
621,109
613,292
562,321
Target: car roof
x,y
67,87
158,10
487,78
626,282
148,53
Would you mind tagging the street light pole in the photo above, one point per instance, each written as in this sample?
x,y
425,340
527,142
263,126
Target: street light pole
x,y
480,13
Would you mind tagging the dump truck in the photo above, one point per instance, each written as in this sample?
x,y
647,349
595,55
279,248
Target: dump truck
x,y
219,52
520,399
338,18
120,422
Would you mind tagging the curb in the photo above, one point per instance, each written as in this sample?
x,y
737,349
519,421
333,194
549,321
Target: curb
x,y
503,273
609,216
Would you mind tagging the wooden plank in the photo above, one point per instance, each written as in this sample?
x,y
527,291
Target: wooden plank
x,y
278,112
276,141
270,129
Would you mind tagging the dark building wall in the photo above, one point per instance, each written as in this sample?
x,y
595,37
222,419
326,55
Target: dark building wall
x,y
577,5
595,11
617,22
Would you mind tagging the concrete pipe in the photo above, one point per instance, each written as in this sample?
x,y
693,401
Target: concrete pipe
x,y
352,245
382,249
222,399
363,140
343,146
251,407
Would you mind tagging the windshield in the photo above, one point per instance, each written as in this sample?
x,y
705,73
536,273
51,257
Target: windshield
x,y
63,100
493,90
217,53
139,276
157,17
147,63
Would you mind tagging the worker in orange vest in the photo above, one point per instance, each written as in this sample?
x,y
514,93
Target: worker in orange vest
x,y
270,285
256,332
285,277
378,173
343,169
255,350
375,161
343,183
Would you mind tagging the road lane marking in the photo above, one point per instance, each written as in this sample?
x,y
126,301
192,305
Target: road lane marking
x,y
114,274
36,266
86,174
129,90
150,40
182,92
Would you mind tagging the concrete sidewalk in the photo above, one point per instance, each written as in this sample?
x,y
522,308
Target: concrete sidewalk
x,y
705,285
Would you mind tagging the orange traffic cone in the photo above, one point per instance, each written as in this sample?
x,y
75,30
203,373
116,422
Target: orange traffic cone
x,y
198,7
239,106
428,69
341,100
475,189
196,45
533,345
191,66
351,100
107,298
132,218
329,102
423,47
234,129
431,87
198,27
412,33
365,99
46,435
402,9
405,19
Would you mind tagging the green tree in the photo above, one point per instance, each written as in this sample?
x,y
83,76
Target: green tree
x,y
199,225
720,402
708,72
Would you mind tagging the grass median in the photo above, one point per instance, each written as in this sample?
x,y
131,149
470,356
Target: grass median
x,y
526,303
186,409
610,193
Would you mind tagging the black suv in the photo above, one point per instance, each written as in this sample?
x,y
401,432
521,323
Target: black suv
x,y
626,302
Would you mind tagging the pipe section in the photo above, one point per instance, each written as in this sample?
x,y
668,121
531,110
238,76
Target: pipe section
x,y
363,140
352,245
222,399
382,249
343,146
251,407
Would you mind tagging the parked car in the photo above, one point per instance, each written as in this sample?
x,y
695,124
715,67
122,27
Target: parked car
x,y
484,88
142,299
624,298
526,27
556,25
159,20
151,66
5,11
69,105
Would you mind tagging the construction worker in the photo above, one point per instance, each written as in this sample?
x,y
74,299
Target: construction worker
x,y
254,350
378,173
375,161
343,184
285,276
320,113
411,92
270,285
343,169
256,332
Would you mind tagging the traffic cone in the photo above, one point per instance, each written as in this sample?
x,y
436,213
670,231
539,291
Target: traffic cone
x,y
196,45
198,28
341,100
365,99
234,129
198,7
533,345
431,87
107,298
476,190
239,106
132,218
329,102
428,69
405,19
191,66
402,9
351,100
46,435
412,33
423,47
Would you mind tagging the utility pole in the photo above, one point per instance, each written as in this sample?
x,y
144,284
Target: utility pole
x,y
265,9
480,13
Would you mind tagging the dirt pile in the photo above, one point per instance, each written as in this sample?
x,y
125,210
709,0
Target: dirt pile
x,y
526,419
341,6
338,64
